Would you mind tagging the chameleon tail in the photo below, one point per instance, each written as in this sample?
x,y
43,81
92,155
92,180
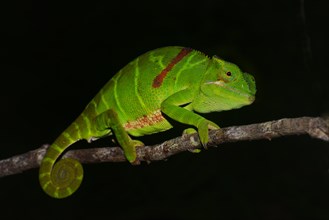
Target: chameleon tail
x,y
60,179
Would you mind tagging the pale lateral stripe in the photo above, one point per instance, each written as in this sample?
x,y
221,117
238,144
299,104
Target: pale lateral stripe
x,y
57,148
56,195
43,175
48,159
199,62
153,58
68,136
45,186
140,99
86,120
184,67
188,65
116,97
103,99
69,190
77,127
93,102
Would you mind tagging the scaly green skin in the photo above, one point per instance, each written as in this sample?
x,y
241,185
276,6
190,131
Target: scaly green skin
x,y
174,81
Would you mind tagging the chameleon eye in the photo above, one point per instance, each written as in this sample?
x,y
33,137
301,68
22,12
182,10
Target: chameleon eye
x,y
228,74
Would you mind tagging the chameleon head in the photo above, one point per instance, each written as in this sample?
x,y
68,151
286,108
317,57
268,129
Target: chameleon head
x,y
224,87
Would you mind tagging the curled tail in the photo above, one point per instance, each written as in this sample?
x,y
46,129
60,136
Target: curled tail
x,y
60,179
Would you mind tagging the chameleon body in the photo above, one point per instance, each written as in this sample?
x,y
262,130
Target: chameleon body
x,y
172,81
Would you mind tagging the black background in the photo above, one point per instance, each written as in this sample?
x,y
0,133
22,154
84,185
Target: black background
x,y
55,57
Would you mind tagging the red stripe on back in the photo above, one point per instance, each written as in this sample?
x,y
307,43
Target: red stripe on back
x,y
157,82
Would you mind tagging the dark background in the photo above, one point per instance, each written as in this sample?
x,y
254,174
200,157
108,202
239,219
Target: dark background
x,y
55,57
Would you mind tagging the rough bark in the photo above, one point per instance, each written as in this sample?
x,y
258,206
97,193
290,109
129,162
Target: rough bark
x,y
316,127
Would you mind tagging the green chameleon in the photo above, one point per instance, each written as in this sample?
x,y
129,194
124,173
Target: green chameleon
x,y
172,81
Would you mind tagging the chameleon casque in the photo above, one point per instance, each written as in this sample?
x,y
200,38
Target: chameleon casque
x,y
172,81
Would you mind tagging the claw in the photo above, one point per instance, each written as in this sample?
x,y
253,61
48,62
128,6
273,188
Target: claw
x,y
203,131
195,151
212,125
131,154
137,143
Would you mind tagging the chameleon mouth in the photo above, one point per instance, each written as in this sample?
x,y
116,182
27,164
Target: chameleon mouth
x,y
243,95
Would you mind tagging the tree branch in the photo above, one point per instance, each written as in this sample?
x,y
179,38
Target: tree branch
x,y
316,127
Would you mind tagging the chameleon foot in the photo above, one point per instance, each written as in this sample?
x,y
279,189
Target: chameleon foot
x,y
130,151
203,129
187,132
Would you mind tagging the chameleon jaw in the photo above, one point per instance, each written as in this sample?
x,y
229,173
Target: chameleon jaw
x,y
222,84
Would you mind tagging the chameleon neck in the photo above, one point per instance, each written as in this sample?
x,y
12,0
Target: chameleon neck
x,y
61,179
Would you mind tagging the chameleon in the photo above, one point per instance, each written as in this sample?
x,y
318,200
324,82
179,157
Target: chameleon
x,y
173,81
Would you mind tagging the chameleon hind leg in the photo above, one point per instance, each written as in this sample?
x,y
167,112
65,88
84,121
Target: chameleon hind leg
x,y
110,119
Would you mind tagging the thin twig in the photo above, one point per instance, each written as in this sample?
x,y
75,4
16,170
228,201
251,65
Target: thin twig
x,y
316,127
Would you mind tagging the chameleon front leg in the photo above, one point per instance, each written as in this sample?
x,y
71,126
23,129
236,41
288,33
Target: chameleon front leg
x,y
172,108
110,119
